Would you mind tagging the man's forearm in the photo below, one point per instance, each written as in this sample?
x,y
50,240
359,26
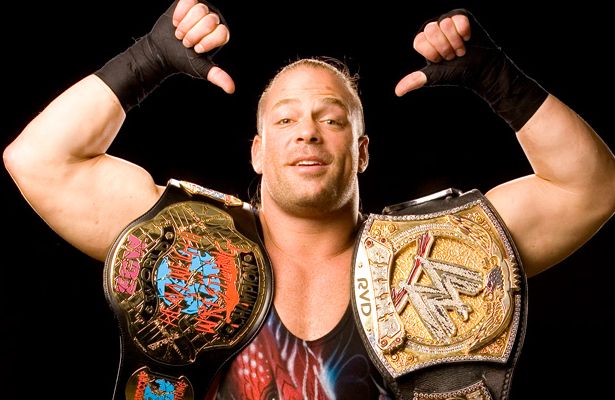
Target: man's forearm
x,y
78,125
565,151
571,193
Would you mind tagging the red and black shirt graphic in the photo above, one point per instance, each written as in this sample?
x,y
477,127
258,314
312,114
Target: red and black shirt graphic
x,y
279,365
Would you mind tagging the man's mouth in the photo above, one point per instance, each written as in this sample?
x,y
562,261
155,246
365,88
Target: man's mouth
x,y
307,160
307,163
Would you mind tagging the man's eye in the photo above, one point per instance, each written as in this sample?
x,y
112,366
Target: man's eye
x,y
284,121
332,122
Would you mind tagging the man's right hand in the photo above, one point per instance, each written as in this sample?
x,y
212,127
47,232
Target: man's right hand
x,y
183,40
200,28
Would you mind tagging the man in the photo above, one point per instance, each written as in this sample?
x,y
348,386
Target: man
x,y
61,155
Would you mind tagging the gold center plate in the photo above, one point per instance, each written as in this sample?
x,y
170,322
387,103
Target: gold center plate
x,y
437,288
186,281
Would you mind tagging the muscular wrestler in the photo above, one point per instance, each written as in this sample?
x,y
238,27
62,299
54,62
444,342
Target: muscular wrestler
x,y
309,149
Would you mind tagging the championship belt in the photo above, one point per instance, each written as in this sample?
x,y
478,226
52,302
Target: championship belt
x,y
440,297
190,284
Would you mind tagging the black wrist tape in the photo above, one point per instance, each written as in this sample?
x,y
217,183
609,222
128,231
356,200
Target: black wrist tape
x,y
136,72
490,73
133,74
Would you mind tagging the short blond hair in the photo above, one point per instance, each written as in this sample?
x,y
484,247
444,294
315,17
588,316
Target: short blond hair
x,y
339,69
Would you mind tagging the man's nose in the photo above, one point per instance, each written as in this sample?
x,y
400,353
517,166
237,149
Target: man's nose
x,y
308,132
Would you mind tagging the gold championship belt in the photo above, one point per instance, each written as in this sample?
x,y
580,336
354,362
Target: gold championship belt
x,y
190,284
439,295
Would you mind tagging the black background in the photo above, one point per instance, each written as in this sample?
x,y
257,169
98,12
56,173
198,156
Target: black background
x,y
60,337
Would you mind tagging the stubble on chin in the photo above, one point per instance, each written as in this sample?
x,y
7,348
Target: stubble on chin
x,y
306,203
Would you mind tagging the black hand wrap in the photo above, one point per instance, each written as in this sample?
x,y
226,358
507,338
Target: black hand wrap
x,y
487,70
137,71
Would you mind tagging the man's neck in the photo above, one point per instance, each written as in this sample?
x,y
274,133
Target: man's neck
x,y
322,237
312,260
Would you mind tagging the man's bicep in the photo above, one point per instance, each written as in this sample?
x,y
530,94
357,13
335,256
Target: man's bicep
x,y
547,223
91,204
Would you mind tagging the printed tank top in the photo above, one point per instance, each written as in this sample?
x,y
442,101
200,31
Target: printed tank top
x,y
279,365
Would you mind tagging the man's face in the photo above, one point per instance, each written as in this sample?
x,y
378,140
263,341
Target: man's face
x,y
307,152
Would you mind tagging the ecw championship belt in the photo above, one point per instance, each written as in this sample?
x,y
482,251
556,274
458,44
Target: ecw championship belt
x,y
440,297
190,284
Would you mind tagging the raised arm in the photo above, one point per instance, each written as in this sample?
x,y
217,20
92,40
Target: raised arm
x,y
59,160
571,194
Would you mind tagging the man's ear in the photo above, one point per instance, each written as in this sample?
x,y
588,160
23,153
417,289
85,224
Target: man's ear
x,y
363,153
257,163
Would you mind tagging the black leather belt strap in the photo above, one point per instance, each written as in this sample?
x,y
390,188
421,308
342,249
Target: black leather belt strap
x,y
191,285
440,297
